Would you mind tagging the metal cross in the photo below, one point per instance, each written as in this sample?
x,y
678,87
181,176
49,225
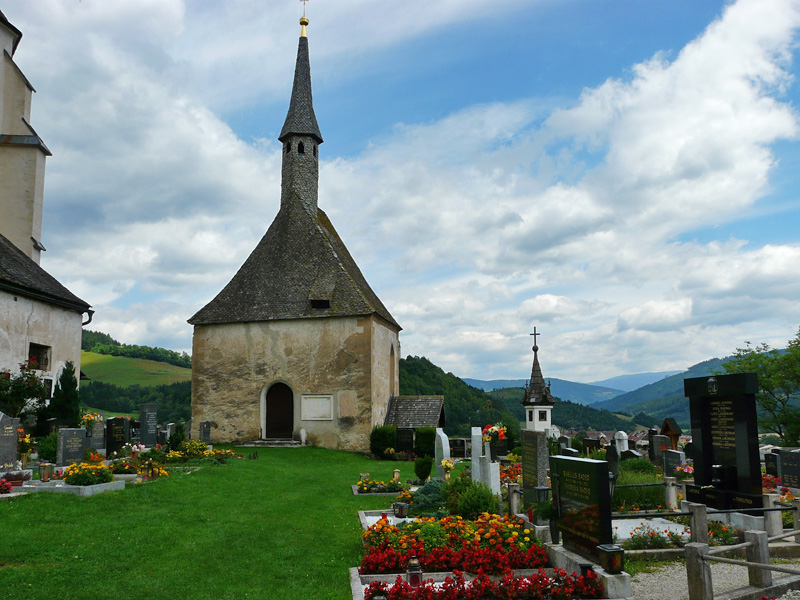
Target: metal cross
x,y
304,6
534,334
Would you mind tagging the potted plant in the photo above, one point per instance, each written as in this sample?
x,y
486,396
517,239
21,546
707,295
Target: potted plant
x,y
17,478
447,465
24,446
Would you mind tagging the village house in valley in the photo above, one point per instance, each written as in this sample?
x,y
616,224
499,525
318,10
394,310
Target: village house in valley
x,y
39,317
297,340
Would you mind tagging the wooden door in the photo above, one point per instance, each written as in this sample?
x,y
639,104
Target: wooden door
x,y
280,412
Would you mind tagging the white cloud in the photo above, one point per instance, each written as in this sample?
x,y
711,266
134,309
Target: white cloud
x,y
472,228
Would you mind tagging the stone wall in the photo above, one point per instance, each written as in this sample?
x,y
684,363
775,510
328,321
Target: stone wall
x,y
385,368
234,365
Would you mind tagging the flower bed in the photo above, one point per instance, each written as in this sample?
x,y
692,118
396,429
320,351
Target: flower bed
x,y
490,544
372,486
539,585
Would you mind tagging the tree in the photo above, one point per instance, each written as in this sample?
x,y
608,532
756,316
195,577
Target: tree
x,y
23,393
65,404
778,385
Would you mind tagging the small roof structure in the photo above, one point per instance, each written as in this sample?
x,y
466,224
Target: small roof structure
x,y
412,412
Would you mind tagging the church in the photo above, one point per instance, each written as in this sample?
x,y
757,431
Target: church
x,y
297,340
39,317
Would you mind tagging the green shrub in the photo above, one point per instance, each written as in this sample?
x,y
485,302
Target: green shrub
x,y
178,436
424,441
428,499
637,465
422,467
382,437
48,447
193,448
577,444
477,499
456,487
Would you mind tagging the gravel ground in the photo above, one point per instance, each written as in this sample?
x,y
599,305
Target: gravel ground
x,y
670,582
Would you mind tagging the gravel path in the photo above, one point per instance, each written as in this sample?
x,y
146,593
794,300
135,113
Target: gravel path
x,y
670,582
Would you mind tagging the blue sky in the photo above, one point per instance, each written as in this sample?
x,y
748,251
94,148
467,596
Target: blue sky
x,y
621,174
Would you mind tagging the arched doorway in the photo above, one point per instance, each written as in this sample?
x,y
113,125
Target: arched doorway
x,y
279,409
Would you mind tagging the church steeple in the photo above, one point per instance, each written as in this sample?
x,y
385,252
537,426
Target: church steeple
x,y
537,392
301,136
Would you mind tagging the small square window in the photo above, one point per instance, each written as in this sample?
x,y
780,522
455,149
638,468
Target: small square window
x,y
41,354
543,415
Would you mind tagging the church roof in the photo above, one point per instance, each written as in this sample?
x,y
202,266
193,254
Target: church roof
x,y
411,412
14,31
300,269
537,392
22,276
301,120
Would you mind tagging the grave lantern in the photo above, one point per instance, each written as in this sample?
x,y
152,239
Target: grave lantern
x,y
396,475
612,558
414,571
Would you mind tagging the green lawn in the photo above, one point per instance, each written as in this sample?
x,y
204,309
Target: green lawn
x,y
131,371
282,526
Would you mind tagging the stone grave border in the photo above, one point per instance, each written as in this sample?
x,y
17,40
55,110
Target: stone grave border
x,y
78,490
355,492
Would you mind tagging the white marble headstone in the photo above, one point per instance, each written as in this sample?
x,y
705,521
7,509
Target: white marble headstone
x,y
621,442
441,451
477,451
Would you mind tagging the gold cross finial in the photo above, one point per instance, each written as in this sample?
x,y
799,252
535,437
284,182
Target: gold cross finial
x,y
535,335
303,20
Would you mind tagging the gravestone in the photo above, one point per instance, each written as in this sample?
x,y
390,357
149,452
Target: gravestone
x,y
772,464
583,500
569,452
71,446
162,437
98,437
477,451
688,449
660,444
651,433
404,442
205,432
727,466
148,417
441,450
565,441
8,442
790,469
621,442
458,448
117,435
672,459
501,447
135,432
490,474
630,454
170,429
590,445
535,455
612,458
672,430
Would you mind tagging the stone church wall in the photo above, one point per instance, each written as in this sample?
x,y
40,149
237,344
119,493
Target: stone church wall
x,y
325,360
385,369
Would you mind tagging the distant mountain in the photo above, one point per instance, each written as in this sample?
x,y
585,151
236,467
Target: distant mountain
x,y
579,393
628,383
664,398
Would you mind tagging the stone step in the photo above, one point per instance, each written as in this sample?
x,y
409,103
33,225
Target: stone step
x,y
272,443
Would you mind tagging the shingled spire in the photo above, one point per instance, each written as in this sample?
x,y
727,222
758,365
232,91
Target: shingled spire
x,y
537,392
301,138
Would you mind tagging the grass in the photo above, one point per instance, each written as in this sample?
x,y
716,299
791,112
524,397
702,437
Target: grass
x,y
111,413
131,371
282,526
634,566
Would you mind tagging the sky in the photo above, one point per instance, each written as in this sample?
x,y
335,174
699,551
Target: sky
x,y
622,175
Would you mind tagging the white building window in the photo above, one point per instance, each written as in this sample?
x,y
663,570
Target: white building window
x,y
41,354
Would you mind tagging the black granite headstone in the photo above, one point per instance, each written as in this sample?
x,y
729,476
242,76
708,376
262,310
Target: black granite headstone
x,y
8,442
772,464
583,498
613,460
725,436
651,433
672,459
72,443
458,448
135,431
205,432
148,417
565,440
790,469
590,445
573,452
405,440
630,454
661,443
117,435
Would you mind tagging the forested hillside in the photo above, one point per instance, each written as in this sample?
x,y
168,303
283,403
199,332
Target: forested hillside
x,y
664,398
102,343
173,401
465,406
